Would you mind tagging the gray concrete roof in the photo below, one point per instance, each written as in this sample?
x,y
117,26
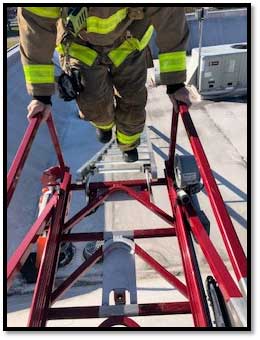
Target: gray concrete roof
x,y
222,127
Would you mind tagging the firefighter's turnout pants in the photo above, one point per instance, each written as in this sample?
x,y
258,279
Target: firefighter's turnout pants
x,y
111,52
126,109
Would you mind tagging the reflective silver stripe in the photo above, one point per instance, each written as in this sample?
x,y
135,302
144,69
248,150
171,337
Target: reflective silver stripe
x,y
237,310
243,286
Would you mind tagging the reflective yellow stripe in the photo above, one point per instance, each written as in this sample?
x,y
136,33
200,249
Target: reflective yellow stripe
x,y
119,54
103,127
46,12
140,45
107,25
80,52
173,61
125,139
39,74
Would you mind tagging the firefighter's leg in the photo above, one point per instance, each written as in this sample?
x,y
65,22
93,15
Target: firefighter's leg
x,y
95,102
129,79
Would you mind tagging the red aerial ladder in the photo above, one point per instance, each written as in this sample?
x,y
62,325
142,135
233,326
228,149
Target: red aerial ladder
x,y
182,180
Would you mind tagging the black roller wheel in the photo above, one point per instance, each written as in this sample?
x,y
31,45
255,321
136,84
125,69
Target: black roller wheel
x,y
90,248
29,271
66,254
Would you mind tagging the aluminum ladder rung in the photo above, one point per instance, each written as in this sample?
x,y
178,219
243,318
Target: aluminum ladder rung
x,y
119,153
117,171
138,148
140,161
98,163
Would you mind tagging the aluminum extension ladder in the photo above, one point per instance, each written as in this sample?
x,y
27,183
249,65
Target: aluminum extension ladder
x,y
109,160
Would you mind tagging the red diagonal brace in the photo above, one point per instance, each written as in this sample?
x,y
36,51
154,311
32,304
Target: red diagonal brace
x,y
55,141
19,256
21,156
86,265
146,202
162,271
88,209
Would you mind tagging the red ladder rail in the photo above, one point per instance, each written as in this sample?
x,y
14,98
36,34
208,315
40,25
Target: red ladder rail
x,y
229,235
44,294
24,149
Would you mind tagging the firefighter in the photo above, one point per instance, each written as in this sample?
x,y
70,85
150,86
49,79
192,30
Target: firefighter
x,y
108,53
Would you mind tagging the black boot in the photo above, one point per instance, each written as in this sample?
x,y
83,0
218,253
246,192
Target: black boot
x,y
104,136
130,156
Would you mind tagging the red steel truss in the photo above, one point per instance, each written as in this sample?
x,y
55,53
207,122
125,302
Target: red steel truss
x,y
55,214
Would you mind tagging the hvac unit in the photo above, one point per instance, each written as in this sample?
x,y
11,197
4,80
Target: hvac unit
x,y
223,70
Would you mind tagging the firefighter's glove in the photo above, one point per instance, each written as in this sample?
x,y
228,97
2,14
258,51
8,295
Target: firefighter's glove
x,y
70,86
37,107
178,94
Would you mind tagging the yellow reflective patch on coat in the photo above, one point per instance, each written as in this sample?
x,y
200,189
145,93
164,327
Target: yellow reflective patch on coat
x,y
172,61
46,12
39,74
119,54
80,52
107,25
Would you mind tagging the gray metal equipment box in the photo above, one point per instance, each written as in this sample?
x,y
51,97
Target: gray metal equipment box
x,y
223,70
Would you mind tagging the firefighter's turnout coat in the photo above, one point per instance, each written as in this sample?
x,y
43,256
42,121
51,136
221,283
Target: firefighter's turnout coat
x,y
116,33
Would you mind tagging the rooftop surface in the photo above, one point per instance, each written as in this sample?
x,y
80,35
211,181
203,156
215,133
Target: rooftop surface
x,y
222,127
